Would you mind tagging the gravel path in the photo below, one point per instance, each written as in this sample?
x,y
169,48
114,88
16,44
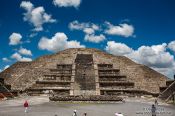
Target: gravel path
x,y
40,106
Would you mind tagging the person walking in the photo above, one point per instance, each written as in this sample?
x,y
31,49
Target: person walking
x,y
156,102
153,110
119,114
75,113
26,105
85,114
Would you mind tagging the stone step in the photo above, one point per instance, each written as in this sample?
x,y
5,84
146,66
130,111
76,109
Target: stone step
x,y
169,82
62,70
52,82
116,82
51,85
162,89
48,88
1,80
58,74
118,89
112,79
108,70
6,95
131,91
111,75
167,92
105,65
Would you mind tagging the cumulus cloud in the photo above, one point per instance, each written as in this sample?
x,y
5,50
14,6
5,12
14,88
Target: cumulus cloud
x,y
171,45
74,44
155,56
94,38
89,29
124,29
25,51
57,43
5,59
117,48
15,38
67,3
18,57
76,25
36,16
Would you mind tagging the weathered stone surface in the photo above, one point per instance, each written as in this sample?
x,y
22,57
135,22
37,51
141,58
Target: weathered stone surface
x,y
95,80
168,92
86,98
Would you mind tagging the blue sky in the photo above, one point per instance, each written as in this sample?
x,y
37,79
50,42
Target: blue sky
x,y
142,30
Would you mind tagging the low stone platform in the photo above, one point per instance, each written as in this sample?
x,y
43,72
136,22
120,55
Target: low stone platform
x,y
87,98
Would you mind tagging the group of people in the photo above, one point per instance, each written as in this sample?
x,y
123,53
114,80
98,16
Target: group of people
x,y
26,105
75,113
85,114
153,109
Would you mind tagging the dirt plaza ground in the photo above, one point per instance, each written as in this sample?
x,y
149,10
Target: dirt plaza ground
x,y
41,106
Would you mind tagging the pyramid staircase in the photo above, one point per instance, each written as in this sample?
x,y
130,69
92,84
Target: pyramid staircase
x,y
111,82
168,92
57,81
5,90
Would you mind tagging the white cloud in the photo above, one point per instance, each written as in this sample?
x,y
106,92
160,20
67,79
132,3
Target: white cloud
x,y
89,29
24,51
124,29
74,44
155,56
15,38
27,5
33,35
36,16
117,48
76,25
18,57
7,66
94,38
67,3
5,59
171,45
57,43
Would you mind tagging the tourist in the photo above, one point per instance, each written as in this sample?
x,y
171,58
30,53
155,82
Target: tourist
x,y
119,114
85,114
153,110
156,102
75,113
26,105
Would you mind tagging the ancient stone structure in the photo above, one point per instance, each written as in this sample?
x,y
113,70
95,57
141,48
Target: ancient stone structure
x,y
168,92
84,71
5,90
